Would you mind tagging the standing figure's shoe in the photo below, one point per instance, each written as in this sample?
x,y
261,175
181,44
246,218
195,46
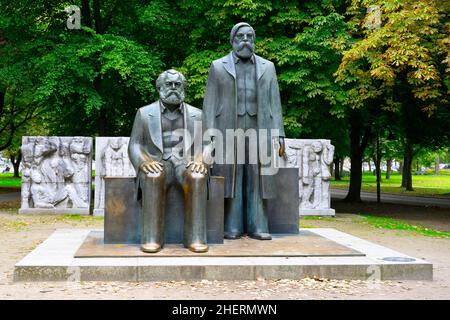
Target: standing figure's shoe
x,y
150,247
260,236
232,235
198,247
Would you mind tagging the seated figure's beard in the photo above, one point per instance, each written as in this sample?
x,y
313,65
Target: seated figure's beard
x,y
172,97
244,50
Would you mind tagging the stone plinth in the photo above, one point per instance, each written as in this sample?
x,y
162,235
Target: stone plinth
x,y
283,210
54,260
122,212
303,244
313,158
111,160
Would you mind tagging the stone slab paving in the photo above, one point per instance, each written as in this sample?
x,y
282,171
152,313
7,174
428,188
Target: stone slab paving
x,y
53,260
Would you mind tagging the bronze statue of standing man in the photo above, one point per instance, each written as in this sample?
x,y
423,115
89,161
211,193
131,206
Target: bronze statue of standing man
x,y
242,93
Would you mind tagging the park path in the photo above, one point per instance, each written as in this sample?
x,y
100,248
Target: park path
x,y
396,199
9,196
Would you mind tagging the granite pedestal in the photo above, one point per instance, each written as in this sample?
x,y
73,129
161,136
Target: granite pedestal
x,y
325,253
122,210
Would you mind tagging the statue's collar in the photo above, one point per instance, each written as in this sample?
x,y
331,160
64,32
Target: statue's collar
x,y
164,108
236,59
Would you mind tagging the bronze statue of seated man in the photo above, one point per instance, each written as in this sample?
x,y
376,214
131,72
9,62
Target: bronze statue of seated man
x,y
161,152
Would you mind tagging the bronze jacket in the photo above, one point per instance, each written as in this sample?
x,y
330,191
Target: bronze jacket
x,y
219,112
146,141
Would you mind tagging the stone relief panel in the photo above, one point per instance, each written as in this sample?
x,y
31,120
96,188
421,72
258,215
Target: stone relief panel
x,y
56,174
313,159
111,160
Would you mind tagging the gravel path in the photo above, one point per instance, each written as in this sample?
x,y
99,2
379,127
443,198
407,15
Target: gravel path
x,y
9,196
20,234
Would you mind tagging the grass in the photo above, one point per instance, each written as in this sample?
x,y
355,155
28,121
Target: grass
x,y
330,219
14,222
423,185
394,224
8,182
383,223
15,225
78,217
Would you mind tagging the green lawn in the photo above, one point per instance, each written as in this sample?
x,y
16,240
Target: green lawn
x,y
424,185
382,223
8,183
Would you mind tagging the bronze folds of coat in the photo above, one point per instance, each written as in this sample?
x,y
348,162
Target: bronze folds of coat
x,y
219,112
146,144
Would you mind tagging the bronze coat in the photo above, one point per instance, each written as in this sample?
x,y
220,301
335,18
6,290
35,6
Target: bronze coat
x,y
220,105
146,136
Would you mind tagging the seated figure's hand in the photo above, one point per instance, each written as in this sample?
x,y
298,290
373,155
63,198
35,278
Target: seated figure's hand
x,y
152,166
197,167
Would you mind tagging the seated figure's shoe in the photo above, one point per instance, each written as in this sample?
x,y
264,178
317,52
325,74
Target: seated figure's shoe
x,y
232,235
198,247
150,247
260,236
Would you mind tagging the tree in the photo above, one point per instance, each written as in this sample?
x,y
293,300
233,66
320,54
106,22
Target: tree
x,y
336,77
392,68
18,103
93,79
34,127
89,81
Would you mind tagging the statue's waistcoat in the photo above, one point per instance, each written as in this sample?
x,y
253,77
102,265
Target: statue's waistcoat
x,y
170,122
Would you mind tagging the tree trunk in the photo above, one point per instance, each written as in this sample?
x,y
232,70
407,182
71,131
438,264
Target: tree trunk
x,y
437,169
98,17
388,168
374,159
378,167
2,38
337,172
2,102
358,143
16,163
370,166
341,166
407,167
102,122
102,118
86,14
354,190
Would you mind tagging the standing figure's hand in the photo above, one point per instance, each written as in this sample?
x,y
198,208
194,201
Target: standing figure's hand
x,y
152,166
197,167
282,149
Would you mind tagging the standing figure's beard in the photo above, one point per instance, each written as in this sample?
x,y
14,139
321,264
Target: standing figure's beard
x,y
171,97
244,50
